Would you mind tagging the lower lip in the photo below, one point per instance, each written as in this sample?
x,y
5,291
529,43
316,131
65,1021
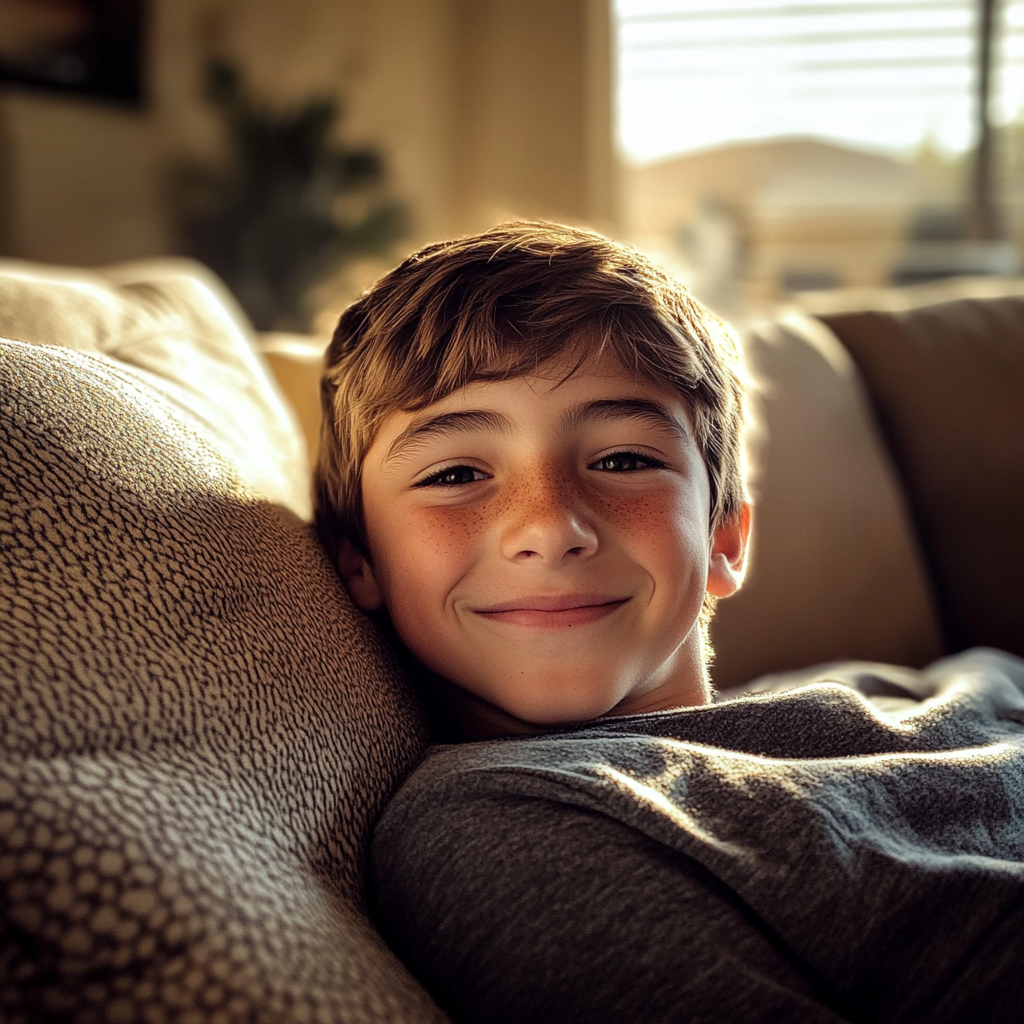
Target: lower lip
x,y
536,618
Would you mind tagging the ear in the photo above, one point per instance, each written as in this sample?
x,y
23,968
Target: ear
x,y
728,560
357,575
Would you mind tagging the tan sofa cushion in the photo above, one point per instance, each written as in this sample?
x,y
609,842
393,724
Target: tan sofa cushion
x,y
835,570
296,361
198,728
947,381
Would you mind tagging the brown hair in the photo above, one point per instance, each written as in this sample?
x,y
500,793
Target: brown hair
x,y
498,305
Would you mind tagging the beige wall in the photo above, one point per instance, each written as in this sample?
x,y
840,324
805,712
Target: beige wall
x,y
485,108
82,182
533,111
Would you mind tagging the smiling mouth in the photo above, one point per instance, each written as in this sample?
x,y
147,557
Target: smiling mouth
x,y
553,612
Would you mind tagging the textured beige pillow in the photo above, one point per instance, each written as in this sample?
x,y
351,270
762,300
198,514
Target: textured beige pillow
x,y
198,728
835,572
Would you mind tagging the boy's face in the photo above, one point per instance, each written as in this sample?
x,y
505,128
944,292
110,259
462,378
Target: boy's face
x,y
546,546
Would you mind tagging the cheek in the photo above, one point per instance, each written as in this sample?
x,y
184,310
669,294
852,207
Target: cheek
x,y
420,557
419,566
669,526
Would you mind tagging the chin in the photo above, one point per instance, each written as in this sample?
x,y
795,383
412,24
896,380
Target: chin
x,y
544,711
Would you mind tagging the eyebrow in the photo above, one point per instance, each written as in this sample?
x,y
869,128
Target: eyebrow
x,y
644,409
423,428
472,420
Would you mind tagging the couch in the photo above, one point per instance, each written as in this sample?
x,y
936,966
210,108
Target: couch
x,y
199,730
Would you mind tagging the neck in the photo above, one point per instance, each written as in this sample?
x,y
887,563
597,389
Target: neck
x,y
472,718
469,718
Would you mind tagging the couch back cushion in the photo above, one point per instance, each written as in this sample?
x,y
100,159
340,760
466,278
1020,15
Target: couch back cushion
x,y
835,567
947,383
175,325
198,728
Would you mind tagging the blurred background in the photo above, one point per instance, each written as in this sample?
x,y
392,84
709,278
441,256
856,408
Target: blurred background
x,y
759,149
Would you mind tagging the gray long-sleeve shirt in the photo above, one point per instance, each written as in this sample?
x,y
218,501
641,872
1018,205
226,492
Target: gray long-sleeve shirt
x,y
849,850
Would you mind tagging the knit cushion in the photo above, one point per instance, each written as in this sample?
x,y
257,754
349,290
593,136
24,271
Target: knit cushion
x,y
198,729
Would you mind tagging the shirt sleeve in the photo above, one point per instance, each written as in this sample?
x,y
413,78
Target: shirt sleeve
x,y
519,909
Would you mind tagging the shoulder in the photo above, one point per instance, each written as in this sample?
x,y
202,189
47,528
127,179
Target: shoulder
x,y
508,861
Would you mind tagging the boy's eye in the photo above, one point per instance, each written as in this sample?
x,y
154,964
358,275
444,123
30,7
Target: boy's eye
x,y
453,476
626,462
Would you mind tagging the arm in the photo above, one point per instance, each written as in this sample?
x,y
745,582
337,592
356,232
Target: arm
x,y
512,909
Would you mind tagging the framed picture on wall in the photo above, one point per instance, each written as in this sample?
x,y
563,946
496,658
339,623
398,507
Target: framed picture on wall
x,y
86,47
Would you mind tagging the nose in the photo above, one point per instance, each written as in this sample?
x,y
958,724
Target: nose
x,y
547,520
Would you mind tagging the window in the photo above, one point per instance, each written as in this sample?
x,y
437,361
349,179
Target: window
x,y
882,91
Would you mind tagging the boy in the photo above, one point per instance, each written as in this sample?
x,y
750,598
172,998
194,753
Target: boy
x,y
604,426
532,466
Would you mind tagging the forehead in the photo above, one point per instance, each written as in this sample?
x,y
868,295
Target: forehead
x,y
563,395
563,381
